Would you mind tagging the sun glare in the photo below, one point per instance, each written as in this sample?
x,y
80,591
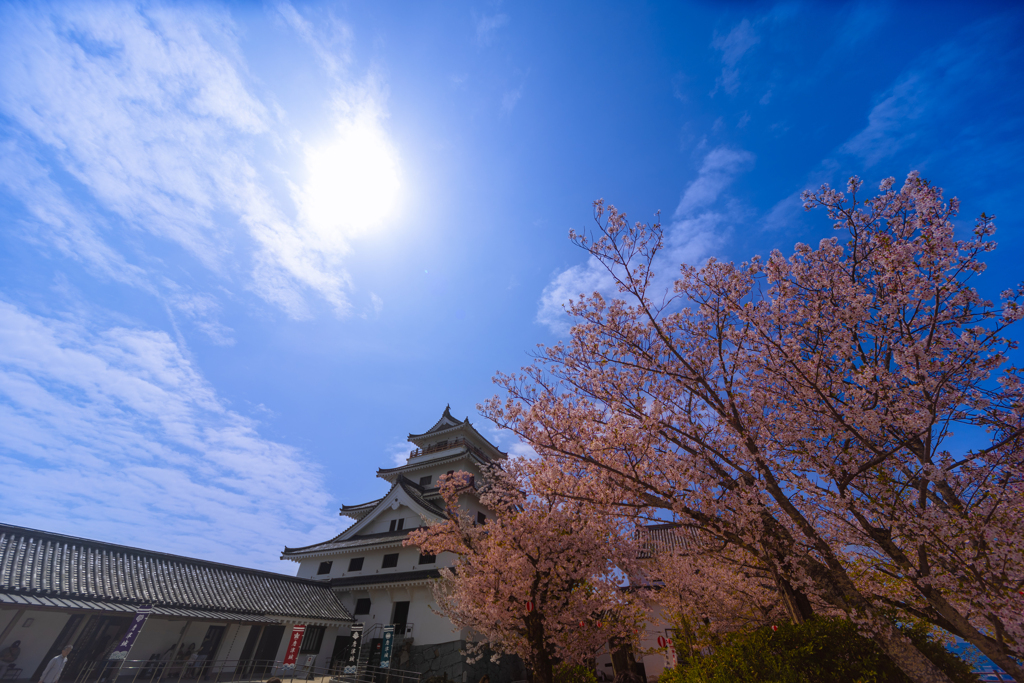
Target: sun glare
x,y
353,184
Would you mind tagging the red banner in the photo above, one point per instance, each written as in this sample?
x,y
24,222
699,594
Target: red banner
x,y
293,645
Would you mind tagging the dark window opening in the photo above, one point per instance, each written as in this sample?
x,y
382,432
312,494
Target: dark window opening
x,y
400,616
325,567
312,640
481,518
427,558
355,564
390,561
362,606
425,481
397,524
451,472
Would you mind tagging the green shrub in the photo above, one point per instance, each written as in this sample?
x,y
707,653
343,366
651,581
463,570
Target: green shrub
x,y
574,673
822,649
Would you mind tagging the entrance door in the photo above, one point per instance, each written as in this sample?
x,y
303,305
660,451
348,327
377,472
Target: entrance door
x,y
400,617
339,655
266,651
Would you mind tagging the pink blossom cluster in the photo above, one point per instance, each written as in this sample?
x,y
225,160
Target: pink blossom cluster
x,y
541,578
844,421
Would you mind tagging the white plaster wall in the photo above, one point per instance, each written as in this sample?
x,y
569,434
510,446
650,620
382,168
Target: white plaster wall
x,y
323,658
429,628
234,641
37,638
157,635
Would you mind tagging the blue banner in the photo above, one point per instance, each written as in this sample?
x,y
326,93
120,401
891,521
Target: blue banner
x,y
386,646
125,646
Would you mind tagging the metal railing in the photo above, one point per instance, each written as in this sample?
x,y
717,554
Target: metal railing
x,y
234,671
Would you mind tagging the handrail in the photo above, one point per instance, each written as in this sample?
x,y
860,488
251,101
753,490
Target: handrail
x,y
235,671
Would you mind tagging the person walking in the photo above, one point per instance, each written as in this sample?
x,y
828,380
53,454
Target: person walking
x,y
52,671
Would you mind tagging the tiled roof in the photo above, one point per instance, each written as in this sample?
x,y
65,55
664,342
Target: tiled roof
x,y
661,538
415,491
359,540
56,569
394,577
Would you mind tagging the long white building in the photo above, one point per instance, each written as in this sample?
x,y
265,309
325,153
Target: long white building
x,y
382,582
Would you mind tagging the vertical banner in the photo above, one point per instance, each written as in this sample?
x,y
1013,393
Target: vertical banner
x,y
387,645
293,646
353,652
125,646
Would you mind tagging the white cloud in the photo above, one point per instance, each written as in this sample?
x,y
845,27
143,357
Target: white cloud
x,y
695,232
329,38
398,451
113,434
486,26
719,168
150,110
891,122
572,283
510,99
58,223
733,46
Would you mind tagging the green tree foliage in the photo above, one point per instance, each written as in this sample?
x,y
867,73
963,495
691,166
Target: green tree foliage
x,y
574,673
821,649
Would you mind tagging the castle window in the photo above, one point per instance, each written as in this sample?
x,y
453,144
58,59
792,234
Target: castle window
x,y
390,561
312,640
355,564
425,481
427,558
397,524
481,518
362,606
325,567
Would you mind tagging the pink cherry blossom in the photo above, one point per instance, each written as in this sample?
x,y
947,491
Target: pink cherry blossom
x,y
844,419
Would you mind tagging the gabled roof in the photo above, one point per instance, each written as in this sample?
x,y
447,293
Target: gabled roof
x,y
357,512
412,494
447,421
466,452
38,567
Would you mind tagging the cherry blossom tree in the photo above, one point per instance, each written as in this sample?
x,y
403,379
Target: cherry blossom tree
x,y
803,410
540,579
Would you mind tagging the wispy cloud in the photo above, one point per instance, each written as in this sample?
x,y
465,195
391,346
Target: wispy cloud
x,y
487,26
112,433
733,46
700,222
510,99
150,110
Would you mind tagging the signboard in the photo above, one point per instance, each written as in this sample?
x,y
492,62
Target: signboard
x,y
125,646
671,657
353,652
387,645
292,653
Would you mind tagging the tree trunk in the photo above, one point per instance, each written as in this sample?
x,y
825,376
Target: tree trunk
x,y
540,658
797,603
909,659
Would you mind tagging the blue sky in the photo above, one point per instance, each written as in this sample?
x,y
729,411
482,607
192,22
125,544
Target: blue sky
x,y
246,249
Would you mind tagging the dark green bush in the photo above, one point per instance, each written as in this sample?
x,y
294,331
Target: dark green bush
x,y
574,673
822,649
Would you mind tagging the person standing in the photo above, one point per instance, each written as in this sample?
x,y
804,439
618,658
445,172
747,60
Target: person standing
x,y
52,671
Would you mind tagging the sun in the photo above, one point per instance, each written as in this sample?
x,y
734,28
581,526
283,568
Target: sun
x,y
353,181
